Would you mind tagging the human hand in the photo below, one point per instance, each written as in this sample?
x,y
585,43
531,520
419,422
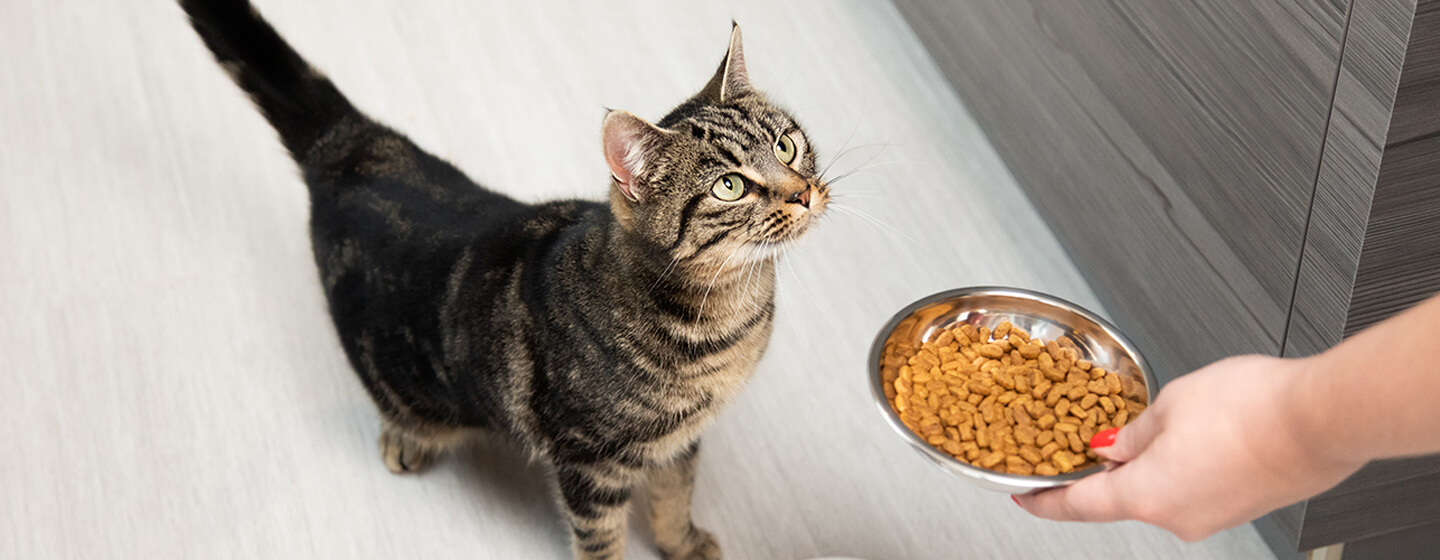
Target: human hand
x,y
1219,447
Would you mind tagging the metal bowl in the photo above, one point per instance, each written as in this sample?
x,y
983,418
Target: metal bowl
x,y
1038,314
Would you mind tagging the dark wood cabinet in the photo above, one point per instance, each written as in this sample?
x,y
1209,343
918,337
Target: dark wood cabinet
x,y
1232,176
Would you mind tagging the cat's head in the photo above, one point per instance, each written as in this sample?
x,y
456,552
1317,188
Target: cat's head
x,y
726,176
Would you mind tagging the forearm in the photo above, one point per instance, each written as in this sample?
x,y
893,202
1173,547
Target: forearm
x,y
1377,394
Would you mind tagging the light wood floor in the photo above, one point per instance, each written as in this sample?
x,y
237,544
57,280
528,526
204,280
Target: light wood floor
x,y
170,384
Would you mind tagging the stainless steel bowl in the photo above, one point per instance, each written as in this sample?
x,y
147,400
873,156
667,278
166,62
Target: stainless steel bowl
x,y
1040,315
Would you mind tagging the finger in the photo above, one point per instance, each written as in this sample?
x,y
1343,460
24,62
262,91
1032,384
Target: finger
x,y
1133,439
1097,498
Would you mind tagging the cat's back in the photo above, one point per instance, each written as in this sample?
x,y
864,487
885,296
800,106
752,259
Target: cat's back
x,y
386,210
374,185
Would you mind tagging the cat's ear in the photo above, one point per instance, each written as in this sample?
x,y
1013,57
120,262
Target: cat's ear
x,y
730,79
630,145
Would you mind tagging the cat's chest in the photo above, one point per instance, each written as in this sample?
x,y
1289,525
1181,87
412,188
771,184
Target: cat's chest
x,y
704,406
719,361
706,386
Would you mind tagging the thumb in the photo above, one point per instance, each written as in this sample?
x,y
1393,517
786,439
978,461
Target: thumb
x,y
1129,442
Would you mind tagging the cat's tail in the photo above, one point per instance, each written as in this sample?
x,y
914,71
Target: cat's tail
x,y
300,102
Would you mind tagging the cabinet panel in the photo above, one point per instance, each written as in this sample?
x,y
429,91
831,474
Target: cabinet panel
x,y
1415,542
1400,265
1417,107
1228,107
1173,147
1370,73
1341,515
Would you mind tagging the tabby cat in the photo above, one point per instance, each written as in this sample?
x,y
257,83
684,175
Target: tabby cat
x,y
602,337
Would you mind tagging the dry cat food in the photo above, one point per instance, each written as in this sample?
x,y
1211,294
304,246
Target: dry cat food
x,y
1004,401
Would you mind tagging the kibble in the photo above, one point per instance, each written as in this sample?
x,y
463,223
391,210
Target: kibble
x,y
1005,401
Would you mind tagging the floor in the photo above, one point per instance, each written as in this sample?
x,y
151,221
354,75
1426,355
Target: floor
x,y
172,387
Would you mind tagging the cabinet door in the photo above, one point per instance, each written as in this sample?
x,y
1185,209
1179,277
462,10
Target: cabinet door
x,y
1173,145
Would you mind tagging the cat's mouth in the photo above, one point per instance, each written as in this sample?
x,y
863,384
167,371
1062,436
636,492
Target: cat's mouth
x,y
787,231
789,227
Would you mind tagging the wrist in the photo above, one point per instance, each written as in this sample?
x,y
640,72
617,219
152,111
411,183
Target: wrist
x,y
1313,412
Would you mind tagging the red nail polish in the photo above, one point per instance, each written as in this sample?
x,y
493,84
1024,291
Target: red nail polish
x,y
1015,499
1104,439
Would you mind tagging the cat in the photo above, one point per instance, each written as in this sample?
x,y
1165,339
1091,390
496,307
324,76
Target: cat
x,y
602,337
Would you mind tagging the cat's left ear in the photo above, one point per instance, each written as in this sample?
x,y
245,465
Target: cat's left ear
x,y
730,79
631,144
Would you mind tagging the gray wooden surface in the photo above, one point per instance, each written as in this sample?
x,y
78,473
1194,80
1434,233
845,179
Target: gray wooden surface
x,y
170,385
1400,265
1390,61
1355,140
1394,504
1172,144
1345,185
1415,542
1417,107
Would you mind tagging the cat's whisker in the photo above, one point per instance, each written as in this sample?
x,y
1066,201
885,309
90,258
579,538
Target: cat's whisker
x,y
769,253
665,272
868,165
865,167
850,195
881,145
863,163
759,278
749,268
841,151
882,226
872,220
847,176
786,303
701,313
799,282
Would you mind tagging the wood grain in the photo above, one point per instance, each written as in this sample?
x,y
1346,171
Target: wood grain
x,y
170,384
1370,73
1415,542
1417,108
1385,472
1401,261
1375,511
1172,146
1399,267
1364,202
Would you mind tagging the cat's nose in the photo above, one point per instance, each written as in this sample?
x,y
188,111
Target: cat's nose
x,y
802,197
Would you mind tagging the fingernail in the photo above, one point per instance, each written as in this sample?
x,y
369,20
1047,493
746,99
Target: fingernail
x,y
1015,499
1104,439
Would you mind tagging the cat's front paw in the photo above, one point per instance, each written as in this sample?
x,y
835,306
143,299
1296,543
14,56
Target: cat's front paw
x,y
699,545
405,454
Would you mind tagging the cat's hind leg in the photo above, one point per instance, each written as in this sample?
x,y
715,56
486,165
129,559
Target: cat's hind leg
x,y
411,449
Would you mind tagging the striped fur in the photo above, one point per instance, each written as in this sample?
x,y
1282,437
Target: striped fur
x,y
601,337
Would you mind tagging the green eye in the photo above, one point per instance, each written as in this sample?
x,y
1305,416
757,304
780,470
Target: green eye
x,y
729,188
785,149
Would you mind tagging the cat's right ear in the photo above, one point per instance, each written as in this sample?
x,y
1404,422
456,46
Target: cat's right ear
x,y
630,145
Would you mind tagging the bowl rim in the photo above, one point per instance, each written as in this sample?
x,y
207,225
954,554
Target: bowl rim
x,y
988,477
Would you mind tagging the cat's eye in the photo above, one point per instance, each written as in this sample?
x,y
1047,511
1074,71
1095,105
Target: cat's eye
x,y
729,188
785,149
